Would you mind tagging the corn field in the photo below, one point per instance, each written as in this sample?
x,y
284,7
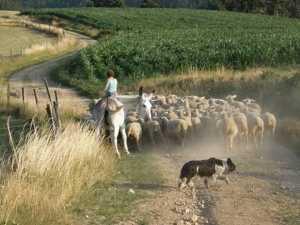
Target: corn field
x,y
165,41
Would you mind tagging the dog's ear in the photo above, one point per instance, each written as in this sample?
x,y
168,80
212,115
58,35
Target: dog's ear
x,y
229,160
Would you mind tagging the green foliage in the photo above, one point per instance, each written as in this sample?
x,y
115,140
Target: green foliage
x,y
149,4
164,41
109,3
177,40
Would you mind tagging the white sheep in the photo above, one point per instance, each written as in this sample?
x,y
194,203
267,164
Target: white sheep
x,y
250,112
251,103
256,127
175,128
241,121
189,123
134,132
269,124
151,129
236,104
228,130
130,119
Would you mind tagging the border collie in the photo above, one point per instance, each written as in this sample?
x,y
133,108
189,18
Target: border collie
x,y
208,169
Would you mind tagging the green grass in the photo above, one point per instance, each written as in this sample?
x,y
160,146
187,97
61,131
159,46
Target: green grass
x,y
16,39
138,172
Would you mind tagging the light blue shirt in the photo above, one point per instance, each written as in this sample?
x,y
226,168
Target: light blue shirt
x,y
112,85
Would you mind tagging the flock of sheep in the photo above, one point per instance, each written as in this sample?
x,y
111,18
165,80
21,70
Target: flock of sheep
x,y
177,119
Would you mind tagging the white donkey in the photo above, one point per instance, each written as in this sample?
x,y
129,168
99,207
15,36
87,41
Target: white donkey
x,y
112,111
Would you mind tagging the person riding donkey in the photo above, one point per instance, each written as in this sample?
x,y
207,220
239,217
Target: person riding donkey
x,y
111,85
111,90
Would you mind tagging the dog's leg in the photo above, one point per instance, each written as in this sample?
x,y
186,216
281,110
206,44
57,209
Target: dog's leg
x,y
206,183
182,183
223,178
190,184
189,181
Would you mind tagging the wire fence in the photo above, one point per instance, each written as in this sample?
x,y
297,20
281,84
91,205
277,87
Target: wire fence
x,y
17,133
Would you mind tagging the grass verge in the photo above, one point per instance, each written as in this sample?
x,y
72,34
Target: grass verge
x,y
111,201
51,174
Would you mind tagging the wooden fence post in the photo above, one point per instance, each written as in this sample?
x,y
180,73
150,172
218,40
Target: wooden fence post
x,y
46,83
23,96
56,110
10,55
36,99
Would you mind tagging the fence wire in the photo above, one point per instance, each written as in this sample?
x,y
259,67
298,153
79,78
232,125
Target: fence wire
x,y
17,132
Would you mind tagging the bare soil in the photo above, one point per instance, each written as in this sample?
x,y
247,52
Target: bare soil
x,y
266,189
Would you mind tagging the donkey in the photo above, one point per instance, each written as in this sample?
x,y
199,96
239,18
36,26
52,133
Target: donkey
x,y
112,111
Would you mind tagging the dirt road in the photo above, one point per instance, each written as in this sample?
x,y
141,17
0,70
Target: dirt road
x,y
34,78
266,190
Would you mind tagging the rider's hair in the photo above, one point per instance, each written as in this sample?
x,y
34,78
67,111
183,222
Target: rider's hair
x,y
110,73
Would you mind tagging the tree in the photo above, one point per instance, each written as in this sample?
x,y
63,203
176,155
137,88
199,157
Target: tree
x,y
109,3
149,4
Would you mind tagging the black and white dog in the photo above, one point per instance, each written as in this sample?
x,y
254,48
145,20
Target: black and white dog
x,y
208,169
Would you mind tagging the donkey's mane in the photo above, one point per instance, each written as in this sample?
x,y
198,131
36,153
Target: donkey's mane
x,y
127,98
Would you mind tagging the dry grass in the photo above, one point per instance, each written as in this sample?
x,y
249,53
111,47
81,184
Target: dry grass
x,y
64,43
51,174
188,83
192,82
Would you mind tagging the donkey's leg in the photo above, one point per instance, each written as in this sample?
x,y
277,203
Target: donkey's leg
x,y
124,137
97,128
113,137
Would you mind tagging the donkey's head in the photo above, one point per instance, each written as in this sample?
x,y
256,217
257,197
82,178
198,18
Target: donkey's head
x,y
144,106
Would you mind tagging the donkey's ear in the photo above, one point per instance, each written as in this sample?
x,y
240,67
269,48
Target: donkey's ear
x,y
141,91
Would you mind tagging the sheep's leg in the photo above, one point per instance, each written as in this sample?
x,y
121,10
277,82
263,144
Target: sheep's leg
x,y
139,143
261,137
272,135
152,139
226,143
124,138
162,137
182,140
231,143
239,140
247,141
255,139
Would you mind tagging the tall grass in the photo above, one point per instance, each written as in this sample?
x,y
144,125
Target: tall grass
x,y
51,174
